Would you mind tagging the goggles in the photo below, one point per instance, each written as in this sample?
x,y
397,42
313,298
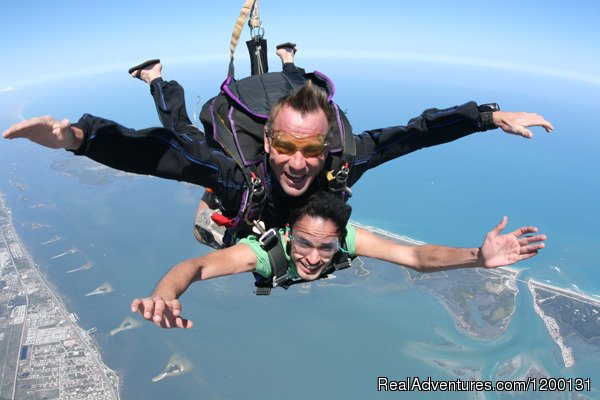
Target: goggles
x,y
304,245
288,144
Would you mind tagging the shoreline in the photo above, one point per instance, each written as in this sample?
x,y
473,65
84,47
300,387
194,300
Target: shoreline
x,y
551,325
76,334
580,296
499,280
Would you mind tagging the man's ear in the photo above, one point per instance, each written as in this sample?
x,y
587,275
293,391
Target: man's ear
x,y
287,235
267,145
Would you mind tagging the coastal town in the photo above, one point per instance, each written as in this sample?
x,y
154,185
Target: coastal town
x,y
44,352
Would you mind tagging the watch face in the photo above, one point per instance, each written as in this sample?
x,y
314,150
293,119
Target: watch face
x,y
489,107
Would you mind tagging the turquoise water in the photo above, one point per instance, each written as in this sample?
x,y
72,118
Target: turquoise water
x,y
334,341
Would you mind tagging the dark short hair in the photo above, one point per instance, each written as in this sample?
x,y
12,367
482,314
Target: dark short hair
x,y
324,205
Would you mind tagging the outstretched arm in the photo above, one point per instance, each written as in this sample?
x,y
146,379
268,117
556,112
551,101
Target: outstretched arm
x,y
163,307
182,156
497,250
434,127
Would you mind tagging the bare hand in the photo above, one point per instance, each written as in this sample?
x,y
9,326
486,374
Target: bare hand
x,y
516,123
164,313
45,131
499,250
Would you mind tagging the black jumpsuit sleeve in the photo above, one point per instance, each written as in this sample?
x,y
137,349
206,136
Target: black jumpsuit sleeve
x,y
432,127
158,152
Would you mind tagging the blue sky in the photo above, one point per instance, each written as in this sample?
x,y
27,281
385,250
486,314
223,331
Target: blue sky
x,y
48,40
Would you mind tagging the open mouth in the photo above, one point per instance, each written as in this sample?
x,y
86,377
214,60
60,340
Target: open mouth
x,y
311,269
295,178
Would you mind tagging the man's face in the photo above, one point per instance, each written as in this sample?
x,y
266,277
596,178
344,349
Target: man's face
x,y
314,242
296,169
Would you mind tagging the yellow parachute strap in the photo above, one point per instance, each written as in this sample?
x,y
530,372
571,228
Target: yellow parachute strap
x,y
254,23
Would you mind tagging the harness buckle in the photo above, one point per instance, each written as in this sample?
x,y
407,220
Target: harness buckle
x,y
256,199
343,264
268,239
337,182
257,187
278,280
344,171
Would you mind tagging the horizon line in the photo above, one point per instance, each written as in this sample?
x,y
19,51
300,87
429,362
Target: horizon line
x,y
384,56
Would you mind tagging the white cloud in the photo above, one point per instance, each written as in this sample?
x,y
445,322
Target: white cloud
x,y
7,89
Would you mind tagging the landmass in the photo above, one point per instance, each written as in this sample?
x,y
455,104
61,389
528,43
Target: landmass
x,y
64,253
176,365
569,316
482,301
346,277
53,239
508,368
105,288
44,353
128,323
85,266
87,171
34,225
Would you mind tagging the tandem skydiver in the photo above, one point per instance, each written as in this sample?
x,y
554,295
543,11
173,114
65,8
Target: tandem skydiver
x,y
169,99
319,230
295,155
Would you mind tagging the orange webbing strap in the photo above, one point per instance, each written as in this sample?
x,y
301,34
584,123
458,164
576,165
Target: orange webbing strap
x,y
237,31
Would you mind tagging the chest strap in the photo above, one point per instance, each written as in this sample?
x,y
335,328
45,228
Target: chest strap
x,y
271,243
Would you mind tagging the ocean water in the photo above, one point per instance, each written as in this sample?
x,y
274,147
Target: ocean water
x,y
322,341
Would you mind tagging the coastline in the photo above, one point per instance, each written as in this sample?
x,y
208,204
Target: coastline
x,y
405,240
483,313
551,324
388,235
509,276
515,272
48,325
566,292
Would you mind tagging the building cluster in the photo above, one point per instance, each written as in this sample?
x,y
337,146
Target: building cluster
x,y
49,355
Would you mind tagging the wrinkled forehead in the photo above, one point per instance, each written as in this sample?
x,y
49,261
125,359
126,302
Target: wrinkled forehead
x,y
301,125
315,229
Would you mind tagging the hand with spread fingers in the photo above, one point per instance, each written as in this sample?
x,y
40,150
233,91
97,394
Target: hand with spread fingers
x,y
164,313
498,250
46,131
516,123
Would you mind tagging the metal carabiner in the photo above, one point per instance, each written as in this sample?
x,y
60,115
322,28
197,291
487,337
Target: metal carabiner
x,y
257,187
257,32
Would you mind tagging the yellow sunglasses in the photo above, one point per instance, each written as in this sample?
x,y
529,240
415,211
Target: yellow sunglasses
x,y
288,144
